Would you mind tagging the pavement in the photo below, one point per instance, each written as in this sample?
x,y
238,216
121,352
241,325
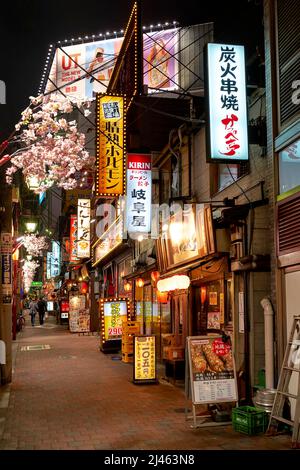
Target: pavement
x,y
67,395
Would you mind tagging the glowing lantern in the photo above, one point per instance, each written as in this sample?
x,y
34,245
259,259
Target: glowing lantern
x,y
84,287
127,286
155,276
162,297
173,283
140,282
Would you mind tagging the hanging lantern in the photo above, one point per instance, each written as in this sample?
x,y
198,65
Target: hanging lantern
x,y
162,297
84,287
140,282
174,282
155,275
127,286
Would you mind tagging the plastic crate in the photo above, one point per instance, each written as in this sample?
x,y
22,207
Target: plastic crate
x,y
249,420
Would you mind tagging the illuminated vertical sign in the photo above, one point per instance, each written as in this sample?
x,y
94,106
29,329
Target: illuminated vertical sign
x,y
55,259
83,228
227,130
139,191
144,369
114,314
111,141
48,268
73,239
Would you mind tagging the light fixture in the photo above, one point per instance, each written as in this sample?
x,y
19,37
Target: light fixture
x,y
140,282
179,281
140,238
155,275
31,226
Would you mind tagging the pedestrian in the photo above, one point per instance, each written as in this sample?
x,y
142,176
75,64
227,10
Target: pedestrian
x,y
32,311
41,307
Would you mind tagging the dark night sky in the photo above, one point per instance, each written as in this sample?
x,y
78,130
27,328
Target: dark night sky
x,y
29,26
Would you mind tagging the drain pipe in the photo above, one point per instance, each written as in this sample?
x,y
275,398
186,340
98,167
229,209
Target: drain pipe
x,y
269,339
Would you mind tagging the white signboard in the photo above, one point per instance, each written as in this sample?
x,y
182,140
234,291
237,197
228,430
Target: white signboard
x,y
83,228
212,370
228,123
139,190
55,259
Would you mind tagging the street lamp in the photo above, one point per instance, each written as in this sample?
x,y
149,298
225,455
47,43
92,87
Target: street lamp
x,y
31,226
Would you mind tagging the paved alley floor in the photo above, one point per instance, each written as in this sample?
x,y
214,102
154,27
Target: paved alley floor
x,y
66,394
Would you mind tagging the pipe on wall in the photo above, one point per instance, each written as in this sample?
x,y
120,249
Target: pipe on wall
x,y
269,341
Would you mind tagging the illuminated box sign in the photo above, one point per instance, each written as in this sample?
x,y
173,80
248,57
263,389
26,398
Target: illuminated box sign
x,y
83,228
110,240
114,312
227,130
73,239
110,174
144,369
48,269
139,191
55,259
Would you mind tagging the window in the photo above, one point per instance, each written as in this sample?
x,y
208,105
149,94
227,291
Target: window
x,y
224,175
289,167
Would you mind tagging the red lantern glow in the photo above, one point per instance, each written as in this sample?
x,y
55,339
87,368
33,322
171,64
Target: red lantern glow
x,y
140,282
162,297
155,275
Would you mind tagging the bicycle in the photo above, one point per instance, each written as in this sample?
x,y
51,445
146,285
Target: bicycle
x,y
20,322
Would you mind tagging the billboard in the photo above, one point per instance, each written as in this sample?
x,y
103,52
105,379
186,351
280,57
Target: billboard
x,y
227,128
82,70
139,190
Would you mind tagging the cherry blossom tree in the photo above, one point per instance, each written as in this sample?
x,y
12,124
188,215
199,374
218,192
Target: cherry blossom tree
x,y
52,149
35,244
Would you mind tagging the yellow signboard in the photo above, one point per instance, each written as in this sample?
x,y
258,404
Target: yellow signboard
x,y
111,141
144,369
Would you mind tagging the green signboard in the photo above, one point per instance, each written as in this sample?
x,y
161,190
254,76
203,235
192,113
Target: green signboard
x,y
36,284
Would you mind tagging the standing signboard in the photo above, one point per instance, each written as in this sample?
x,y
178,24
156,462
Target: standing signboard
x,y
212,370
144,365
113,312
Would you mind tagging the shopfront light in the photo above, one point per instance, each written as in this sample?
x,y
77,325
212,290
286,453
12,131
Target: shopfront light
x,y
173,283
31,226
140,282
127,287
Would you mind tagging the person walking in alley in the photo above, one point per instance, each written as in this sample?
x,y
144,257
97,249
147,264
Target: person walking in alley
x,y
32,310
41,307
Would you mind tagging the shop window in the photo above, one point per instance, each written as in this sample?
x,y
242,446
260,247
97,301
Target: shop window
x,y
223,175
289,167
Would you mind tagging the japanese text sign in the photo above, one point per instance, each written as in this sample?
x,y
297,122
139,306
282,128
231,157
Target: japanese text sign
x,y
83,228
110,175
115,313
73,239
227,132
55,259
144,359
139,190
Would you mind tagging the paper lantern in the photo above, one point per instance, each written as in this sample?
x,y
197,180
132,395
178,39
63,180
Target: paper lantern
x,y
173,283
162,297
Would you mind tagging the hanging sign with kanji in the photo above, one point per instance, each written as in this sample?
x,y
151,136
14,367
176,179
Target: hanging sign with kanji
x,y
227,123
111,141
83,228
139,190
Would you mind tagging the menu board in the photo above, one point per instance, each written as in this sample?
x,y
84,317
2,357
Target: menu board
x,y
144,369
76,312
212,370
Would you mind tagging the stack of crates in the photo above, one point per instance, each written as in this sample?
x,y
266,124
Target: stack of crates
x,y
129,329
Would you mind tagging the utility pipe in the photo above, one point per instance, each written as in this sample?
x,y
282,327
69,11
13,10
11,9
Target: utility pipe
x,y
269,341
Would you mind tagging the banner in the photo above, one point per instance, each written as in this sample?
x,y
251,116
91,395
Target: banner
x,y
227,129
83,228
139,192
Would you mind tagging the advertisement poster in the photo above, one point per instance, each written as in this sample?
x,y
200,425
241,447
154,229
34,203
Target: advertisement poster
x,y
212,370
114,312
83,321
144,369
82,70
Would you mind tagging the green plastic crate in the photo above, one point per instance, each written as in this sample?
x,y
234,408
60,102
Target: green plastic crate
x,y
249,420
